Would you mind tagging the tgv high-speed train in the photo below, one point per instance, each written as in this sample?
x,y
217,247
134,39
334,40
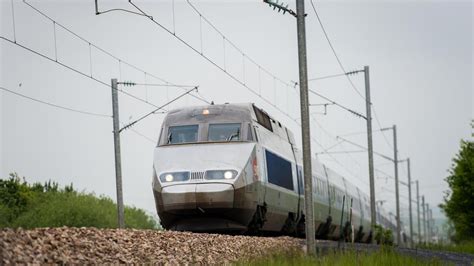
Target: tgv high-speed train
x,y
232,167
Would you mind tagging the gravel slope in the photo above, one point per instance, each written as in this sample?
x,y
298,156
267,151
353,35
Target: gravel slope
x,y
92,245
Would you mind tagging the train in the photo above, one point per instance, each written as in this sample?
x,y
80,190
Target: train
x,y
234,168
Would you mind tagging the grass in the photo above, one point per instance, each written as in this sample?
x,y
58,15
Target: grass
x,y
462,247
386,257
37,205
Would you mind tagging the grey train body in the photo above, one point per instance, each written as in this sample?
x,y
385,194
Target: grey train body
x,y
232,167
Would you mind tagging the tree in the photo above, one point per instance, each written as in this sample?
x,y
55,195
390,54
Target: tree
x,y
459,200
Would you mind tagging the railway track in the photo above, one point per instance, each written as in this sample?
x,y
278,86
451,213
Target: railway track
x,y
98,246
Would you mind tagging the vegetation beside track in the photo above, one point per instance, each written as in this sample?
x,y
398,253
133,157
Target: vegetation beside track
x,y
459,199
463,247
383,256
47,205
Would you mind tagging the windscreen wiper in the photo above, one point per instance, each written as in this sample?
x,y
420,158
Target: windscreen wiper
x,y
231,137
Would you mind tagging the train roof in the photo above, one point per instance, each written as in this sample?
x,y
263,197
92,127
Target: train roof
x,y
224,112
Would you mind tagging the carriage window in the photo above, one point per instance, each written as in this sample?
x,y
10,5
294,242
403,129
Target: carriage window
x,y
182,134
224,132
279,171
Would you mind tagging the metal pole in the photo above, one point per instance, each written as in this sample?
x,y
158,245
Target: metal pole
x,y
370,152
341,233
397,196
428,225
424,217
418,211
118,163
305,129
409,204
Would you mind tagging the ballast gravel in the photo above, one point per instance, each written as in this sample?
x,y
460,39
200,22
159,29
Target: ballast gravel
x,y
130,246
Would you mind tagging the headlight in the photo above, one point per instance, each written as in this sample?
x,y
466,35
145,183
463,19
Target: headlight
x,y
220,174
174,177
169,177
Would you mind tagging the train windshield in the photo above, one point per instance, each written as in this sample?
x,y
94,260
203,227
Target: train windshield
x,y
224,132
182,134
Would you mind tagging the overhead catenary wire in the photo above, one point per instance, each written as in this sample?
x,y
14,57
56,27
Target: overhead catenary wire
x,y
77,70
362,147
55,105
74,70
343,69
157,109
359,133
234,45
130,83
119,60
339,105
327,77
233,77
380,127
334,51
341,152
143,136
331,156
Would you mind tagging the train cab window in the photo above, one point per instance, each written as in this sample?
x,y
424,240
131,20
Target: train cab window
x,y
279,171
224,132
263,119
182,134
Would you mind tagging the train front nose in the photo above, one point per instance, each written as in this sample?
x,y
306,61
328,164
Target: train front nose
x,y
197,196
196,182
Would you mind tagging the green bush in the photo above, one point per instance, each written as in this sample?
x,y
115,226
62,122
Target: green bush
x,y
383,236
30,206
458,200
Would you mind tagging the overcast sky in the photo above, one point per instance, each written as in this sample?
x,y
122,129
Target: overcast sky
x,y
419,53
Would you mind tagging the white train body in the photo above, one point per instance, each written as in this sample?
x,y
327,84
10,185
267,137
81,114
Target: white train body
x,y
233,167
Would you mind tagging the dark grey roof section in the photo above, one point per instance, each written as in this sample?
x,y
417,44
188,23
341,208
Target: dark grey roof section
x,y
217,113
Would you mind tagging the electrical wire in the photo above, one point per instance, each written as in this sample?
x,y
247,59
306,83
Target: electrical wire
x,y
119,60
157,85
78,71
343,69
334,51
338,143
157,109
327,77
142,135
235,46
341,152
337,104
55,105
74,70
271,103
362,147
380,127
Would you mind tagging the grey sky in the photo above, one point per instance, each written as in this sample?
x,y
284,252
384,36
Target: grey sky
x,y
419,53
